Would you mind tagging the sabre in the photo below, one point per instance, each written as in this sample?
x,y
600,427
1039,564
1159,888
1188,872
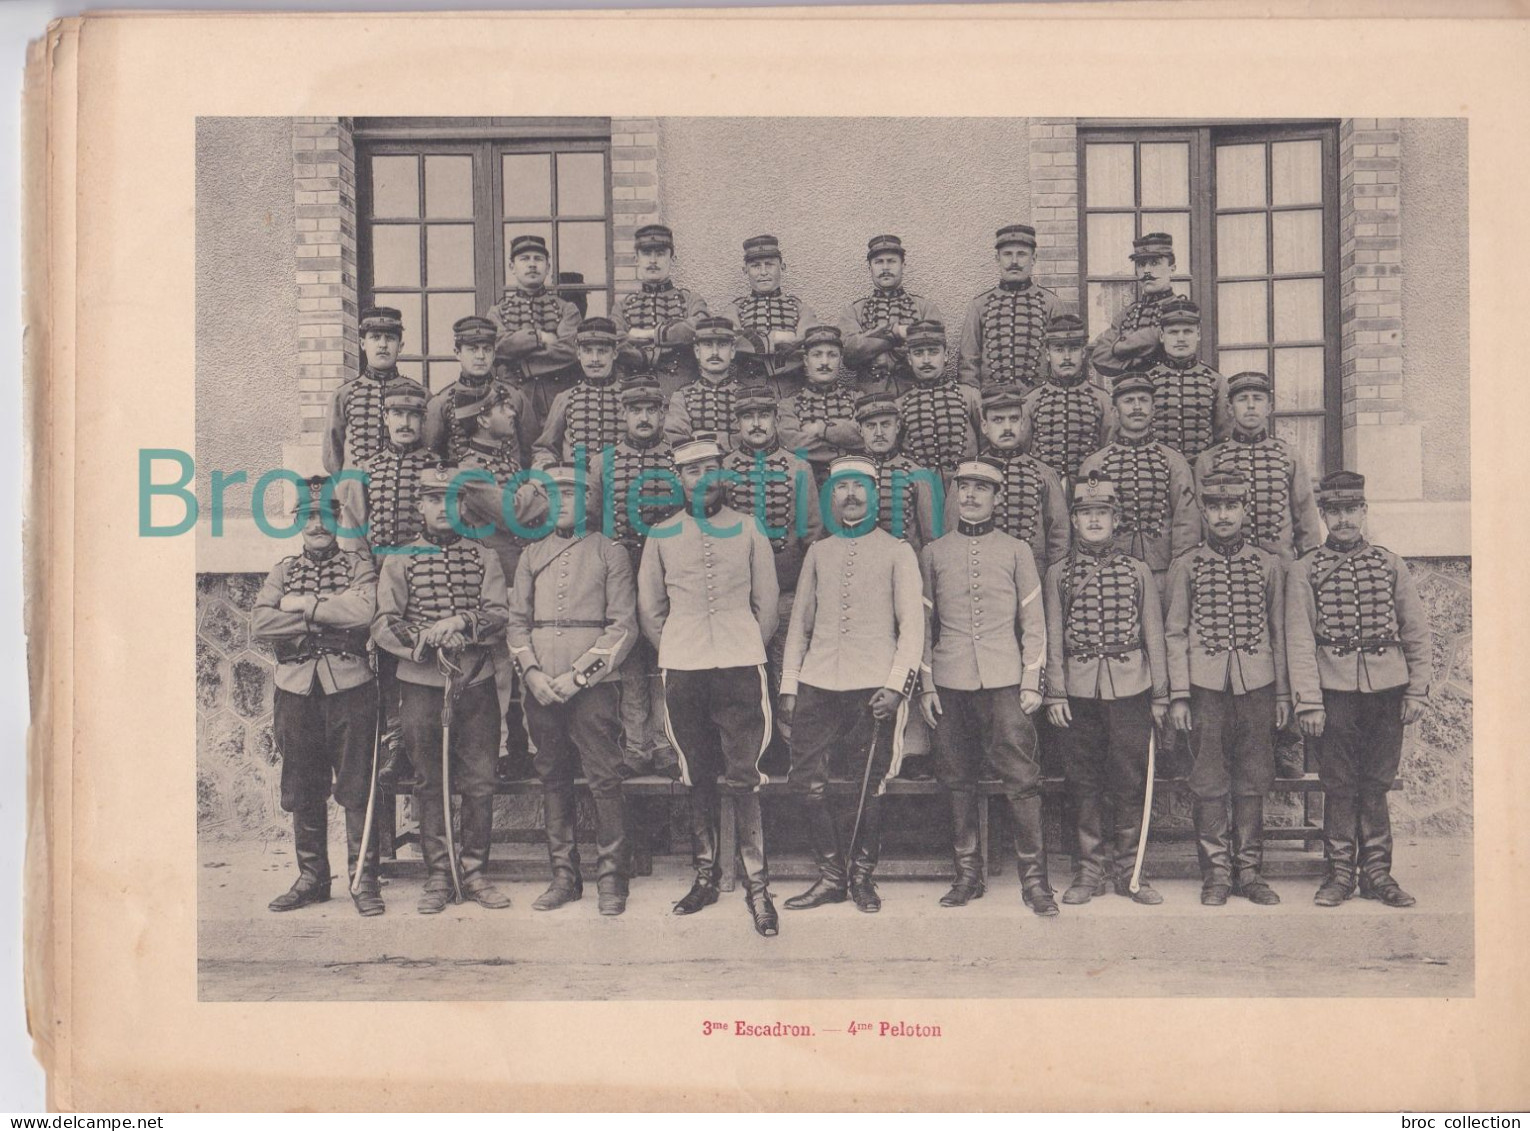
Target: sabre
x,y
450,670
1147,813
860,809
366,825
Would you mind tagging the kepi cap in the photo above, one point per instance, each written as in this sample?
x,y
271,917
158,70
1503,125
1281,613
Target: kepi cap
x,y
926,333
823,336
1003,396
1095,491
762,247
715,330
1153,245
652,236
983,470
1224,487
1249,381
641,389
881,245
1015,233
382,320
1132,383
1066,330
1341,489
596,331
703,445
527,243
472,330
875,404
1178,310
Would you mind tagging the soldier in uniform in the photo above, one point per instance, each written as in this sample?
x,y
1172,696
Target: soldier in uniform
x,y
619,502
658,321
445,434
906,504
982,667
1156,517
586,417
1003,338
440,607
770,322
1131,342
707,597
1107,684
1227,681
534,328
354,428
706,404
851,659
1282,515
941,415
572,621
314,609
1190,409
874,327
1068,417
1358,645
819,422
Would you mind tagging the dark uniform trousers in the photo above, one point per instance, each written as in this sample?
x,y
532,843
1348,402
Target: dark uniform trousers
x,y
1234,742
474,742
1358,756
582,734
718,721
987,722
831,732
324,738
1105,756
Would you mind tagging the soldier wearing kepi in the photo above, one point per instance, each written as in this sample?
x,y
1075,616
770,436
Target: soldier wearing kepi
x,y
1067,417
446,433
1032,505
658,321
1156,518
1003,337
534,328
982,680
1130,344
707,601
1282,516
1107,684
587,417
906,503
1227,679
851,660
1358,645
440,606
770,321
706,404
941,415
820,420
572,621
874,327
314,609
1190,409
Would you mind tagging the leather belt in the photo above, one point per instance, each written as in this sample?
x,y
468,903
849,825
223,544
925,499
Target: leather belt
x,y
1375,645
569,624
1099,653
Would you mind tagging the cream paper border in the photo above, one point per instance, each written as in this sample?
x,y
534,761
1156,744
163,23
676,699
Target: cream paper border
x,y
113,925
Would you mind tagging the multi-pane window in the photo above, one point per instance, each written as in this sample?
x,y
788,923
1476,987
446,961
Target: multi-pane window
x,y
1253,215
438,217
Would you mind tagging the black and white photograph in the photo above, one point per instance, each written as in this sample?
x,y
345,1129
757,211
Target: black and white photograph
x,y
795,558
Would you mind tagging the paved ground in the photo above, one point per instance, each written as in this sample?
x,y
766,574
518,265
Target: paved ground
x,y
993,948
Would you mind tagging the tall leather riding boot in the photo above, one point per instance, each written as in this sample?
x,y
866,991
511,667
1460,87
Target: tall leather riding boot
x,y
1376,880
824,837
310,845
368,893
477,836
751,862
969,884
1214,849
1248,851
558,807
438,861
1339,821
1089,864
868,850
1031,855
613,847
1128,834
706,832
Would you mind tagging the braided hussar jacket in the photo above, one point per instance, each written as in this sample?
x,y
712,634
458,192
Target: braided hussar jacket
x,y
672,313
1190,410
482,505
1104,629
1282,512
906,499
755,317
941,423
866,325
447,436
354,429
704,405
393,494
329,646
518,315
1065,423
1157,519
589,414
833,406
1354,622
1004,335
776,488
612,475
1226,627
1033,507
435,579
1131,342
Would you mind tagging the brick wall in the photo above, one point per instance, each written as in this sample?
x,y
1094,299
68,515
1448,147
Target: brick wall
x,y
1370,273
634,191
1054,206
324,257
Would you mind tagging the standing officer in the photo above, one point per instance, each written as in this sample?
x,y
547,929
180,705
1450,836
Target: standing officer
x,y
658,321
1003,338
769,321
1131,342
446,434
1156,518
874,327
534,328
1282,518
572,621
440,607
706,404
588,414
314,609
820,420
707,597
1227,677
1067,417
850,665
982,680
1107,688
1190,409
941,415
1358,643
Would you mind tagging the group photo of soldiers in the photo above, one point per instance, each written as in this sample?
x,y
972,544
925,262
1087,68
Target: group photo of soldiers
x,y
881,544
